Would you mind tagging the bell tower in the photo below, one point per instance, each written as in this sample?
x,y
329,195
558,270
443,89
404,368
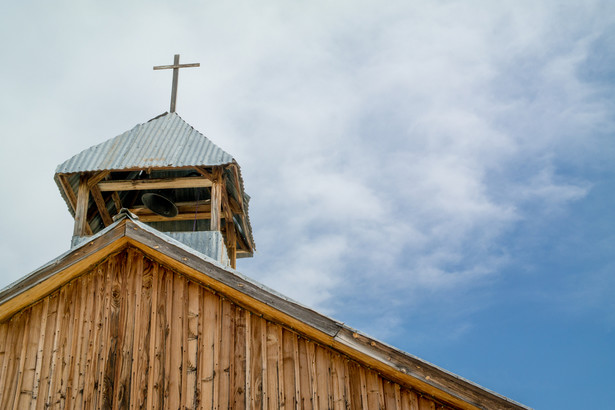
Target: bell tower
x,y
171,177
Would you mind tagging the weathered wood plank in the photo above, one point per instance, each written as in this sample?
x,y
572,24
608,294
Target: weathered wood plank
x,y
153,336
112,345
40,348
409,400
389,395
426,404
129,304
226,350
81,210
154,183
372,382
238,364
22,359
71,374
256,361
305,375
216,199
177,342
273,368
208,350
43,385
323,378
101,206
289,398
355,396
192,336
85,339
16,335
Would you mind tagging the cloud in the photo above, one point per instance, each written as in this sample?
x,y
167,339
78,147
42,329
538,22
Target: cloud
x,y
388,148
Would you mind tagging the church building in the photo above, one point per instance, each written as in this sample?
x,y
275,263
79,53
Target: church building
x,y
146,310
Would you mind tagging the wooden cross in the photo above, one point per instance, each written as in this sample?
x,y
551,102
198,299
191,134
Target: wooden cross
x,y
176,66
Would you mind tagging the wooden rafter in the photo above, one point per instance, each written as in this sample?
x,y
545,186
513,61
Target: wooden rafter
x,y
101,205
157,183
204,173
235,170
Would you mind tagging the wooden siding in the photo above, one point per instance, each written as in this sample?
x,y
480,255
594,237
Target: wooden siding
x,y
131,333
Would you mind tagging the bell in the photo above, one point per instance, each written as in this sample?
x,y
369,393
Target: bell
x,y
159,204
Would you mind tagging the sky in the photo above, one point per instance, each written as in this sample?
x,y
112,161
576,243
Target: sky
x,y
437,174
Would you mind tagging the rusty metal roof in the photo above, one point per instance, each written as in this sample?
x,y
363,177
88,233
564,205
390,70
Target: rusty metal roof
x,y
164,141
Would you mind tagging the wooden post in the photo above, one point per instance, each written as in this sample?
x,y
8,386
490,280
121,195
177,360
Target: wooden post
x,y
216,200
231,244
81,210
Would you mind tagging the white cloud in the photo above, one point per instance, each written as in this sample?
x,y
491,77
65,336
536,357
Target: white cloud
x,y
387,147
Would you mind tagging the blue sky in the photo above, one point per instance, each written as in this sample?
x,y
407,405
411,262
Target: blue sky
x,y
437,174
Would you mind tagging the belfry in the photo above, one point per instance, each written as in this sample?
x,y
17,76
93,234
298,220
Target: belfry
x,y
171,177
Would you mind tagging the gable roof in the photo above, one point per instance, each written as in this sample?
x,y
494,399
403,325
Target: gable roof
x,y
163,141
394,364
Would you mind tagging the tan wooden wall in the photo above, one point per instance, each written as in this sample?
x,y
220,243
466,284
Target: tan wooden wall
x,y
132,334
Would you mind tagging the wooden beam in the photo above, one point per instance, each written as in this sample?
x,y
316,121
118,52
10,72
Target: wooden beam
x,y
235,170
216,199
68,190
204,173
157,183
81,210
96,178
188,216
231,242
101,205
117,201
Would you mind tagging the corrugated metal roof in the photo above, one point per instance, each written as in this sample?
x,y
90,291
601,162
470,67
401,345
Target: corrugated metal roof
x,y
164,141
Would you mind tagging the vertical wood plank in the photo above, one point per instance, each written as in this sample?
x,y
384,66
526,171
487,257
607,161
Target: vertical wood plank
x,y
25,391
238,379
305,375
176,346
53,371
141,336
356,397
43,385
79,370
389,395
273,387
21,359
94,364
72,371
191,390
426,404
409,400
296,367
248,365
372,382
208,351
226,350
256,362
338,374
156,278
40,348
323,378
288,366
7,390
129,299
112,345
166,344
